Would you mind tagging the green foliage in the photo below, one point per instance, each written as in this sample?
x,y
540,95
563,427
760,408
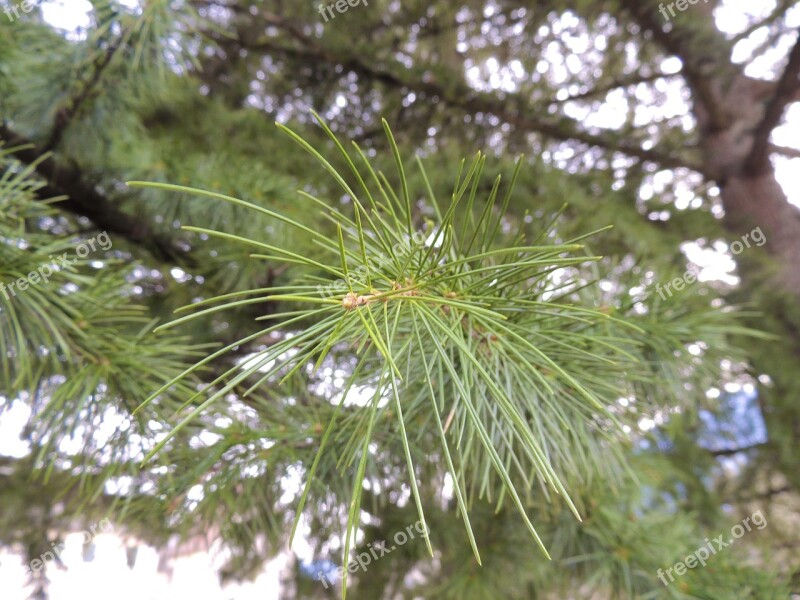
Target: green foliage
x,y
74,343
478,345
467,343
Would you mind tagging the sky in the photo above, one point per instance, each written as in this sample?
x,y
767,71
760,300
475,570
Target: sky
x,y
107,574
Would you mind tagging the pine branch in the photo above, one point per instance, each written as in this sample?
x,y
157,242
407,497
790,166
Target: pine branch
x,y
460,95
84,199
73,104
620,82
465,331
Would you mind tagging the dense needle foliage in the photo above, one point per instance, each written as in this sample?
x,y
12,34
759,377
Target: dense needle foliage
x,y
323,331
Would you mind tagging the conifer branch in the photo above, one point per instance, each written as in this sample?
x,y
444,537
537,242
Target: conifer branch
x,y
460,95
66,113
84,199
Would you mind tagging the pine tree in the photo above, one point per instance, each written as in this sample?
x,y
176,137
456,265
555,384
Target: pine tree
x,y
403,312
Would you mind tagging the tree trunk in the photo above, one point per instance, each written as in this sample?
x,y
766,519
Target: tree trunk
x,y
753,198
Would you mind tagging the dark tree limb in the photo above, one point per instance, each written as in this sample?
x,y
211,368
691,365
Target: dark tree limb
x,y
780,9
757,162
621,82
84,199
525,117
785,151
733,451
67,113
692,46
